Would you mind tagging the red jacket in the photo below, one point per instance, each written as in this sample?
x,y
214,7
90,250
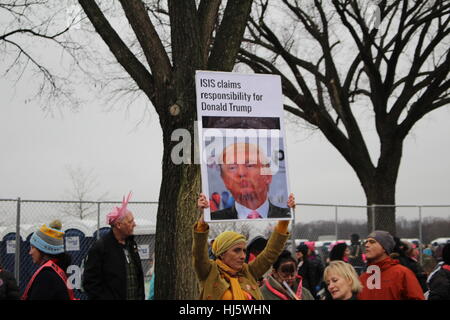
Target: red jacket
x,y
389,280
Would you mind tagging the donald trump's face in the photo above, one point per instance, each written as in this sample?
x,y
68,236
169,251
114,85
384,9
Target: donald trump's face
x,y
245,174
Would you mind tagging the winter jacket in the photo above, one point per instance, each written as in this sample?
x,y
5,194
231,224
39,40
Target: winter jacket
x,y
273,290
415,267
440,284
304,271
316,270
104,276
49,282
8,286
214,285
389,280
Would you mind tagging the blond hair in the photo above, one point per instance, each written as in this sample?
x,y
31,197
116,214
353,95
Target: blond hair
x,y
346,271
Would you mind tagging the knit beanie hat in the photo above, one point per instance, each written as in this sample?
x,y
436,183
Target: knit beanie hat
x,y
225,241
49,240
384,238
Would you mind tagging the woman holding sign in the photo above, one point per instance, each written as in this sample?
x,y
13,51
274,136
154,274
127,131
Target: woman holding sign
x,y
229,277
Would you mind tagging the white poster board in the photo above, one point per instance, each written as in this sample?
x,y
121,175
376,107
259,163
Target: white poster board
x,y
242,146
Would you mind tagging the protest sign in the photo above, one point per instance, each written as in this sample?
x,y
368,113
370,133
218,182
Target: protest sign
x,y
242,146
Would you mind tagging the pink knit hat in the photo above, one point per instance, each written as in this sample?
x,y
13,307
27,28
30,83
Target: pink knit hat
x,y
118,213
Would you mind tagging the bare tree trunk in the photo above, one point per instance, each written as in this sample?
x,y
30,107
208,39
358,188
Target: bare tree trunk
x,y
380,190
169,83
179,188
380,217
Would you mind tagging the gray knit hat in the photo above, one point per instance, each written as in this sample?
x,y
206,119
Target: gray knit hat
x,y
384,238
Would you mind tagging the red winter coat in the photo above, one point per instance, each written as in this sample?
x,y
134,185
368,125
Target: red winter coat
x,y
389,280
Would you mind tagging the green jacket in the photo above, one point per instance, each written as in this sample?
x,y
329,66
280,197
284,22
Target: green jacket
x,y
213,284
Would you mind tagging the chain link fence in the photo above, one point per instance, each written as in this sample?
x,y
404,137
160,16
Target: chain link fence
x,y
84,222
424,226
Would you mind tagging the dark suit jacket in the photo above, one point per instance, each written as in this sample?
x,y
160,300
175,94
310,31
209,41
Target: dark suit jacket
x,y
231,213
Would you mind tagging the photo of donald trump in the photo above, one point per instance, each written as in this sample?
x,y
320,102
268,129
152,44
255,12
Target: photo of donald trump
x,y
246,173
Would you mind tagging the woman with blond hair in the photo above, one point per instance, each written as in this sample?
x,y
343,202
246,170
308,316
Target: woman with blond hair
x,y
342,280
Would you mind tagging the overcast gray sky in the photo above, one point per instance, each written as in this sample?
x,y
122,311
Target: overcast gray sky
x,y
36,147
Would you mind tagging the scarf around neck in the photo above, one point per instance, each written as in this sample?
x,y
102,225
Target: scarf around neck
x,y
231,276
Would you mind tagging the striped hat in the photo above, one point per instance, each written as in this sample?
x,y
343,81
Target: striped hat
x,y
50,239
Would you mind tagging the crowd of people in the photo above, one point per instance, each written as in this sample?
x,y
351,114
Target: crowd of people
x,y
382,267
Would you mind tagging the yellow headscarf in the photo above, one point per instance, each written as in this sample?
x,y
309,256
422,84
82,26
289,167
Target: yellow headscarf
x,y
222,243
225,241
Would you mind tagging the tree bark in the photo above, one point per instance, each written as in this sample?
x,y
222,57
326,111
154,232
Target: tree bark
x,y
380,189
169,83
381,217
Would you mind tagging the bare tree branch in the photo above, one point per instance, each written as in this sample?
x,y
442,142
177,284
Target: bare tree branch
x,y
399,61
126,58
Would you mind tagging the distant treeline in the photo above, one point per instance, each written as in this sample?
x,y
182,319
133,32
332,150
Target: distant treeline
x,y
432,228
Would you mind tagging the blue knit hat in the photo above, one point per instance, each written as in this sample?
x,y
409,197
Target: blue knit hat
x,y
49,240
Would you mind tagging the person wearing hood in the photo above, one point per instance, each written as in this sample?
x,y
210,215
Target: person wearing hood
x,y
228,277
385,278
284,283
